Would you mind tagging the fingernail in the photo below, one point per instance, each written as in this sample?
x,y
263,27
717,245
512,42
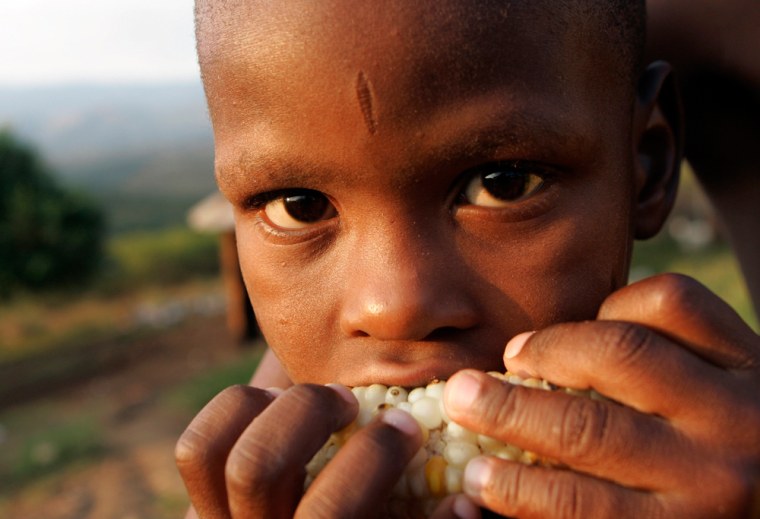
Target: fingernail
x,y
344,393
476,476
461,391
275,391
402,421
464,508
515,345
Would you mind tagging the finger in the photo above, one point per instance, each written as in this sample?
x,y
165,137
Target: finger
x,y
202,450
599,437
359,480
265,469
627,363
517,490
457,506
681,308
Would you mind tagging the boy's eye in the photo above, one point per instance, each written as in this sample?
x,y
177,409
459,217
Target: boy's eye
x,y
298,209
500,184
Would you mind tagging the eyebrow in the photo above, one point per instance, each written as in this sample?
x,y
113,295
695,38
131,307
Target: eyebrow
x,y
272,170
518,132
514,131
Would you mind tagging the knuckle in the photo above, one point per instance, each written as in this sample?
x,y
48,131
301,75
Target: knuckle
x,y
309,395
249,467
318,404
509,411
236,393
199,444
671,293
664,293
564,495
511,488
585,430
191,449
626,344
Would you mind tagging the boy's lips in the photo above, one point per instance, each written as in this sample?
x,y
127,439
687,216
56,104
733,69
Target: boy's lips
x,y
407,374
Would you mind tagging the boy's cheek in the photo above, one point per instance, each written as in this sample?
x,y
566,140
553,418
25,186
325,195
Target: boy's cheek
x,y
519,281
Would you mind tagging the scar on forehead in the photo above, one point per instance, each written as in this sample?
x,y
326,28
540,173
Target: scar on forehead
x,y
365,97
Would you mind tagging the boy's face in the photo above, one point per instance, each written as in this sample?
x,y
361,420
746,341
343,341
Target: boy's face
x,y
416,185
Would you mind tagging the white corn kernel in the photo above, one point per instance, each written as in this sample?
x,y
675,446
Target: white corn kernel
x,y
437,469
426,411
435,389
458,453
375,395
454,477
404,406
415,394
395,395
454,431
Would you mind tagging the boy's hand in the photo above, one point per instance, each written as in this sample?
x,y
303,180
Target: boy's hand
x,y
244,455
684,443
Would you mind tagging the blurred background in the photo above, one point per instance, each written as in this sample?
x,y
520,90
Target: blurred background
x,y
121,309
115,317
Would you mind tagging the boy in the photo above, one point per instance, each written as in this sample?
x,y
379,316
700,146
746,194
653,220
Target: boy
x,y
415,185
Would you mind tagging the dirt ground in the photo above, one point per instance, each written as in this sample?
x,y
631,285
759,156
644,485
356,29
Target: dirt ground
x,y
136,477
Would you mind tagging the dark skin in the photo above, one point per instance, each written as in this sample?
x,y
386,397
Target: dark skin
x,y
713,46
453,204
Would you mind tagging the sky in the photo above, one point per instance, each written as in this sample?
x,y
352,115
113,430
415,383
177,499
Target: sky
x,y
46,42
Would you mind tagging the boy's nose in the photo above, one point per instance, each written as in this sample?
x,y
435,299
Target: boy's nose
x,y
405,290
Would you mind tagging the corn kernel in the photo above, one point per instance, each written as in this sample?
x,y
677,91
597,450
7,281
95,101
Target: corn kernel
x,y
437,469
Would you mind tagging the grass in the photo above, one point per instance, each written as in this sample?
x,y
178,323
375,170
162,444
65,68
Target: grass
x,y
140,268
36,443
43,439
193,394
158,258
37,324
714,266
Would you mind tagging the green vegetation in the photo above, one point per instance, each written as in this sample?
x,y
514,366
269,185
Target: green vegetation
x,y
134,212
157,267
41,440
192,395
49,236
714,266
47,447
158,258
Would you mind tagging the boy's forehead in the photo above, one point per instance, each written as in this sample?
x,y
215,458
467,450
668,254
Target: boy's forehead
x,y
429,50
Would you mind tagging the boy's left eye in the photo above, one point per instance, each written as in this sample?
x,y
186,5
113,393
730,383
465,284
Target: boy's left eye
x,y
501,184
298,209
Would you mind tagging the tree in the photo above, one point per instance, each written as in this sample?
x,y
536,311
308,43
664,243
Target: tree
x,y
49,236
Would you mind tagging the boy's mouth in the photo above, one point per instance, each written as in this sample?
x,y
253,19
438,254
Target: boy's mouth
x,y
409,375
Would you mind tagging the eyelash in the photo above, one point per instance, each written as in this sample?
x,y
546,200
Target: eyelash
x,y
280,209
488,186
535,177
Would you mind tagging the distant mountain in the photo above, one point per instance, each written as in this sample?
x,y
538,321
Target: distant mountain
x,y
78,122
134,146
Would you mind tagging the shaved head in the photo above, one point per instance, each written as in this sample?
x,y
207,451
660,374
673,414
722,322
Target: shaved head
x,y
617,25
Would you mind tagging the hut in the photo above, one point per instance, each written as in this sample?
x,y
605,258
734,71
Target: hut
x,y
214,214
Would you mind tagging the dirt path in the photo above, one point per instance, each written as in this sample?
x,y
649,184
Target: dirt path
x,y
136,478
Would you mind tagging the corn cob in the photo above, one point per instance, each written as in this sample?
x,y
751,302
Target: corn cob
x,y
438,467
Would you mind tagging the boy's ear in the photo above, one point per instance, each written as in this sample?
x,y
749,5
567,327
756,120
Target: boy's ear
x,y
658,142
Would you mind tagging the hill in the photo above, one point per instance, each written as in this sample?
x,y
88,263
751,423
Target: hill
x,y
145,150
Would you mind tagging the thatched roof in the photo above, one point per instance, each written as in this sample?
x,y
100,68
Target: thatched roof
x,y
212,214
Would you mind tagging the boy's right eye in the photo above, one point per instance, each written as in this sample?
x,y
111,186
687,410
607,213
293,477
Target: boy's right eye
x,y
501,184
296,209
